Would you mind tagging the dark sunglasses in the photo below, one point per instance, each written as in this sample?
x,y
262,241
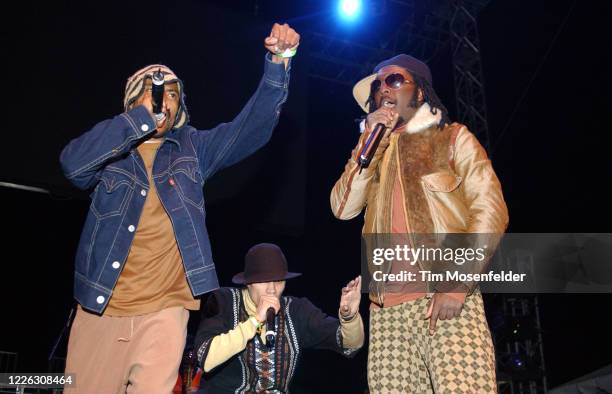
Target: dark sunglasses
x,y
393,81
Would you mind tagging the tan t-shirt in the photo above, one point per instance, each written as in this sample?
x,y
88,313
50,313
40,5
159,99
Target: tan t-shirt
x,y
153,277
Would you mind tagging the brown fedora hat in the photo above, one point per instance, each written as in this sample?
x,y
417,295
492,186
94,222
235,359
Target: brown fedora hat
x,y
264,263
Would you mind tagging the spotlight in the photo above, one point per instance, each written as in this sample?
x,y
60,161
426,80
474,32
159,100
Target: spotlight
x,y
349,9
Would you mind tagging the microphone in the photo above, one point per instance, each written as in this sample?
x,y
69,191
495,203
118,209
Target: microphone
x,y
158,94
270,328
367,153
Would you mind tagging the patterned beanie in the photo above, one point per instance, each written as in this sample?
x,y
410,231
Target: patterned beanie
x,y
135,87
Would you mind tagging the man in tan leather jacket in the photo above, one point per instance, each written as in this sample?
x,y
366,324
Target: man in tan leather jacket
x,y
427,176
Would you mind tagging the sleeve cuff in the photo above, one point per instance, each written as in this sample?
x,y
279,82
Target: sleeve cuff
x,y
275,73
352,332
253,320
141,121
362,126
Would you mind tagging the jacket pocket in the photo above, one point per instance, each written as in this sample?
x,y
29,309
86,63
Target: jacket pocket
x,y
447,206
441,181
111,195
189,179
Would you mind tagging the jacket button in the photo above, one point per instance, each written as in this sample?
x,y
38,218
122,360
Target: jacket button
x,y
143,192
144,127
131,228
100,300
116,264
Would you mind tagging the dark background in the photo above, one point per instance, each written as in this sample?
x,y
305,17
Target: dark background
x,y
546,67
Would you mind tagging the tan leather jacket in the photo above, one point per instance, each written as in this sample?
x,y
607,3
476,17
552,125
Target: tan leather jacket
x,y
447,181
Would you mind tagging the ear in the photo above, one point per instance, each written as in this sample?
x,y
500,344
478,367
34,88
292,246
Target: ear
x,y
420,96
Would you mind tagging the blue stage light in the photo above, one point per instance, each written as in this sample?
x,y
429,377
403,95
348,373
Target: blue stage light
x,y
349,9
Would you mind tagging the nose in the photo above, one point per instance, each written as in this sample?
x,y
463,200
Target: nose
x,y
271,289
164,102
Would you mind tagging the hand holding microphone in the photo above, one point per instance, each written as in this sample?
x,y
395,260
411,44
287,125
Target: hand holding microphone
x,y
382,119
157,94
270,328
267,308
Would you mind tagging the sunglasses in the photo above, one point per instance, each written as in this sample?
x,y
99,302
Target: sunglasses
x,y
393,81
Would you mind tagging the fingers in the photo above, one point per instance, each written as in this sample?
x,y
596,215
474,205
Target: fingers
x,y
444,313
281,37
271,40
276,306
448,312
391,119
293,38
275,32
270,301
442,307
430,309
385,116
433,312
354,284
433,319
266,302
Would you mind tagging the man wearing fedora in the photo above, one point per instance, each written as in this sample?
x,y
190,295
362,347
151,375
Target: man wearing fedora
x,y
231,342
427,176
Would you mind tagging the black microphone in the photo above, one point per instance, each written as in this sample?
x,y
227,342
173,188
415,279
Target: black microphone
x,y
270,328
158,93
367,153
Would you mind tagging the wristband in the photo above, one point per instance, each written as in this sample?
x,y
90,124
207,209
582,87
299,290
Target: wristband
x,y
256,322
289,52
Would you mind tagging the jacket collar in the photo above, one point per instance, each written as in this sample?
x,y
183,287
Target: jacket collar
x,y
423,119
172,136
249,304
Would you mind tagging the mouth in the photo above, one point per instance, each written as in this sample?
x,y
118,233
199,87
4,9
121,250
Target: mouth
x,y
160,119
387,103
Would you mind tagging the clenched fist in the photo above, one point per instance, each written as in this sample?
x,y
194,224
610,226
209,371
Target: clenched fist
x,y
265,302
386,116
281,37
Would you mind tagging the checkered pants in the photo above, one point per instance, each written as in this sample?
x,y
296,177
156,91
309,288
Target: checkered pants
x,y
404,358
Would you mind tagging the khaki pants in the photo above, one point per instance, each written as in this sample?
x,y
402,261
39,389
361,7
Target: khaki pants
x,y
404,358
139,354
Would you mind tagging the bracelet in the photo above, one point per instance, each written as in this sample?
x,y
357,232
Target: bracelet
x,y
256,323
289,52
349,318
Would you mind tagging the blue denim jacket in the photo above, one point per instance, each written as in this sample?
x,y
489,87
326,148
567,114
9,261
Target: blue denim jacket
x,y
105,159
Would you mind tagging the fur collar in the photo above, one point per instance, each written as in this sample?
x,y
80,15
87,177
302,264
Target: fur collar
x,y
423,119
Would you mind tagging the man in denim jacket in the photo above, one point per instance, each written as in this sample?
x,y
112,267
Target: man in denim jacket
x,y
144,253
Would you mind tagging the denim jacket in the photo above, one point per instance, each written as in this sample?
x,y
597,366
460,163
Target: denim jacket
x,y
105,159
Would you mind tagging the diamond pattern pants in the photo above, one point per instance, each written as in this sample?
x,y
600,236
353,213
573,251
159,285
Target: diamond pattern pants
x,y
404,358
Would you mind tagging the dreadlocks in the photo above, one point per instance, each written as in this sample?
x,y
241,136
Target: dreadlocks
x,y
429,96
